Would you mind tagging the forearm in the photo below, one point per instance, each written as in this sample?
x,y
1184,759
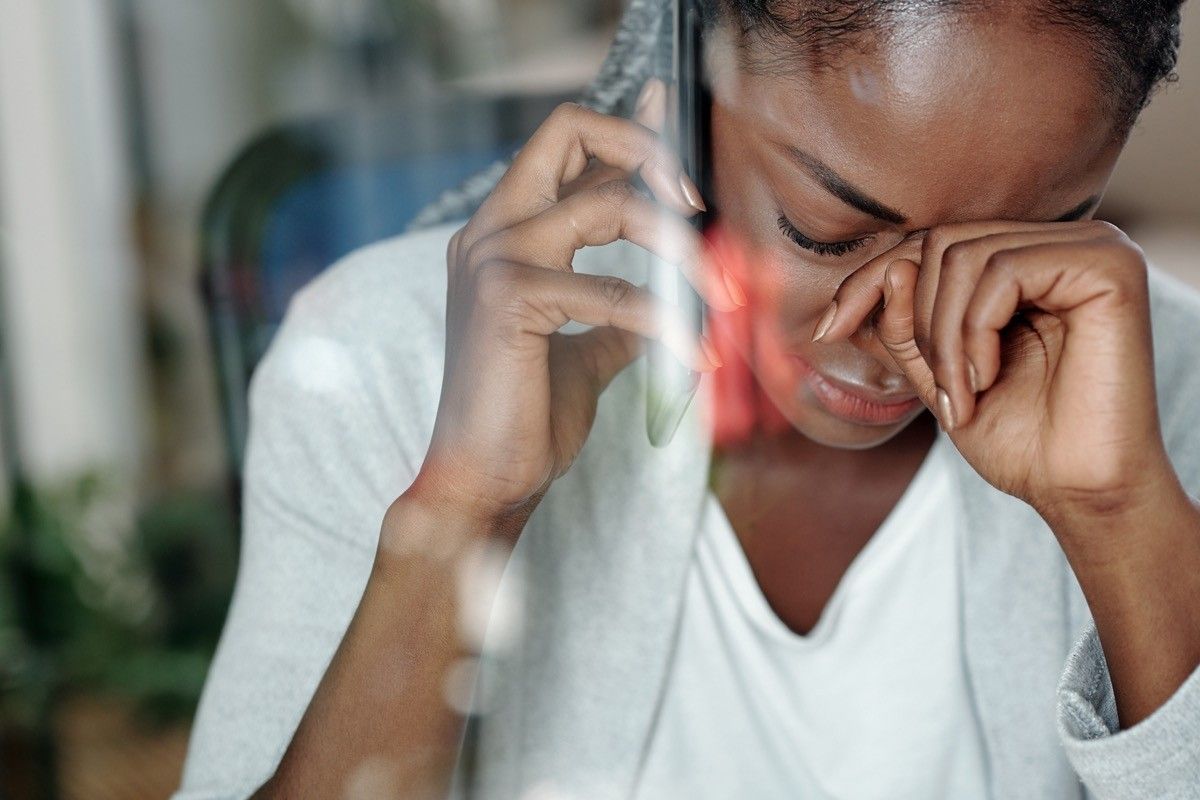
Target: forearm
x,y
1139,567
380,709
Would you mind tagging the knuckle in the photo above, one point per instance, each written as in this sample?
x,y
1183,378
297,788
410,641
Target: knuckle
x,y
1133,256
567,114
957,255
615,194
1108,230
615,291
480,252
1002,262
498,286
937,240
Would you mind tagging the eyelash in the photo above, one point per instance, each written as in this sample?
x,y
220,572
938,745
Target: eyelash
x,y
820,248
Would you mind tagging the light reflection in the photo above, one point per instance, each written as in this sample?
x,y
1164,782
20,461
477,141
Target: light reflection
x,y
740,409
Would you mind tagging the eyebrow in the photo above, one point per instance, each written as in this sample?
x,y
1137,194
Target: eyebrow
x,y
842,189
852,196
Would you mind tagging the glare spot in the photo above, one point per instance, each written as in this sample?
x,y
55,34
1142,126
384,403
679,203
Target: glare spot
x,y
864,84
489,610
374,778
459,684
318,365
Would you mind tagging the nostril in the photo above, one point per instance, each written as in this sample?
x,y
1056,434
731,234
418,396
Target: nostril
x,y
866,340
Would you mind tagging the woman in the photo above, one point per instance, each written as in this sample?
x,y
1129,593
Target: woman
x,y
863,605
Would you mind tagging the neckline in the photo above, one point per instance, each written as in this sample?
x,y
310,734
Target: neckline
x,y
736,572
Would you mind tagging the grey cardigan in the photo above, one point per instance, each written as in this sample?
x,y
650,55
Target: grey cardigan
x,y
342,410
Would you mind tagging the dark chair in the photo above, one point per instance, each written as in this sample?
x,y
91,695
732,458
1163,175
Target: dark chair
x,y
304,194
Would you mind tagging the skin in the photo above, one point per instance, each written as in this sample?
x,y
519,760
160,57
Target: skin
x,y
906,127
1061,410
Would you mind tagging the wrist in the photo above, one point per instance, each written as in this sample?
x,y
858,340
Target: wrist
x,y
1078,516
1138,566
435,516
1144,521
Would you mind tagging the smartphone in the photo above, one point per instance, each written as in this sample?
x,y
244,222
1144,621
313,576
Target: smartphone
x,y
670,385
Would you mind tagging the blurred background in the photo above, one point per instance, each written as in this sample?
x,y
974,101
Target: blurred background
x,y
170,171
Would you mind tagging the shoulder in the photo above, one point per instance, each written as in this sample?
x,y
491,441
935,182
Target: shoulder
x,y
388,291
1175,319
366,333
342,405
393,293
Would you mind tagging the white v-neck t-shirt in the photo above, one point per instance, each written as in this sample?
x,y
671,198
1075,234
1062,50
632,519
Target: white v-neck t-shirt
x,y
874,702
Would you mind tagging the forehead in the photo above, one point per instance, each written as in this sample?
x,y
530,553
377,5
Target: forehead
x,y
958,118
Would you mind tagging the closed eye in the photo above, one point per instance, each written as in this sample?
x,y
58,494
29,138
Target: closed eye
x,y
820,248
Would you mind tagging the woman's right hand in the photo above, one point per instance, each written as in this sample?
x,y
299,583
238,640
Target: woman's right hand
x,y
518,397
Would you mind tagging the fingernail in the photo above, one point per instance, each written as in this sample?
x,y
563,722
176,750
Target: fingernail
x,y
972,376
691,193
736,292
825,321
710,352
887,285
945,410
644,98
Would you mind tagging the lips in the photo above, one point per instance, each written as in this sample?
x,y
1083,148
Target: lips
x,y
851,403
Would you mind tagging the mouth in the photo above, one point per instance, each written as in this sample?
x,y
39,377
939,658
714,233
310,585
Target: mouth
x,y
856,404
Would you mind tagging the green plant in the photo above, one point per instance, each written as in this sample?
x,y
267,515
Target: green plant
x,y
95,601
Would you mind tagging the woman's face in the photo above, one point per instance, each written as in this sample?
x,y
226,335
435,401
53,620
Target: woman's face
x,y
962,119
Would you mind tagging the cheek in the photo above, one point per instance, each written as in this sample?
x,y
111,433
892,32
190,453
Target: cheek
x,y
788,291
785,286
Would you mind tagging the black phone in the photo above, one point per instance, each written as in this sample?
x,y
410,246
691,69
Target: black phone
x,y
670,385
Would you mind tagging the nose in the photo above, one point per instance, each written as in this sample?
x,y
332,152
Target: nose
x,y
866,340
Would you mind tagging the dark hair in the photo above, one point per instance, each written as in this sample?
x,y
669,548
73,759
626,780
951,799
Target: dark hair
x,y
1135,43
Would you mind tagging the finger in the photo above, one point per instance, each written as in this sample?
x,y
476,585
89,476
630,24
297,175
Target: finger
x,y
590,178
939,240
861,293
1071,280
604,214
611,349
561,149
540,301
962,264
894,327
651,109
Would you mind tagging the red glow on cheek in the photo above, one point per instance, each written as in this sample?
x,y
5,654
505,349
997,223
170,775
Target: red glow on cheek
x,y
740,408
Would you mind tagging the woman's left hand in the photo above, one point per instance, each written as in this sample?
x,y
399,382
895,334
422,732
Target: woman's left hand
x,y
1053,322
1031,343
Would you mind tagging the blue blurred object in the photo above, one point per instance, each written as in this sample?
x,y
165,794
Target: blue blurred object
x,y
302,195
332,213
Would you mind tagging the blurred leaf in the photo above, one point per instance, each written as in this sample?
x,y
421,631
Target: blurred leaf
x,y
69,619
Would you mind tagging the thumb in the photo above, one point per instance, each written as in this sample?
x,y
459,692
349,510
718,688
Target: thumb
x,y
612,349
894,326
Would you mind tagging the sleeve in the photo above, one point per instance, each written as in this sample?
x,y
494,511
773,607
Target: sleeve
x,y
322,466
1159,757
